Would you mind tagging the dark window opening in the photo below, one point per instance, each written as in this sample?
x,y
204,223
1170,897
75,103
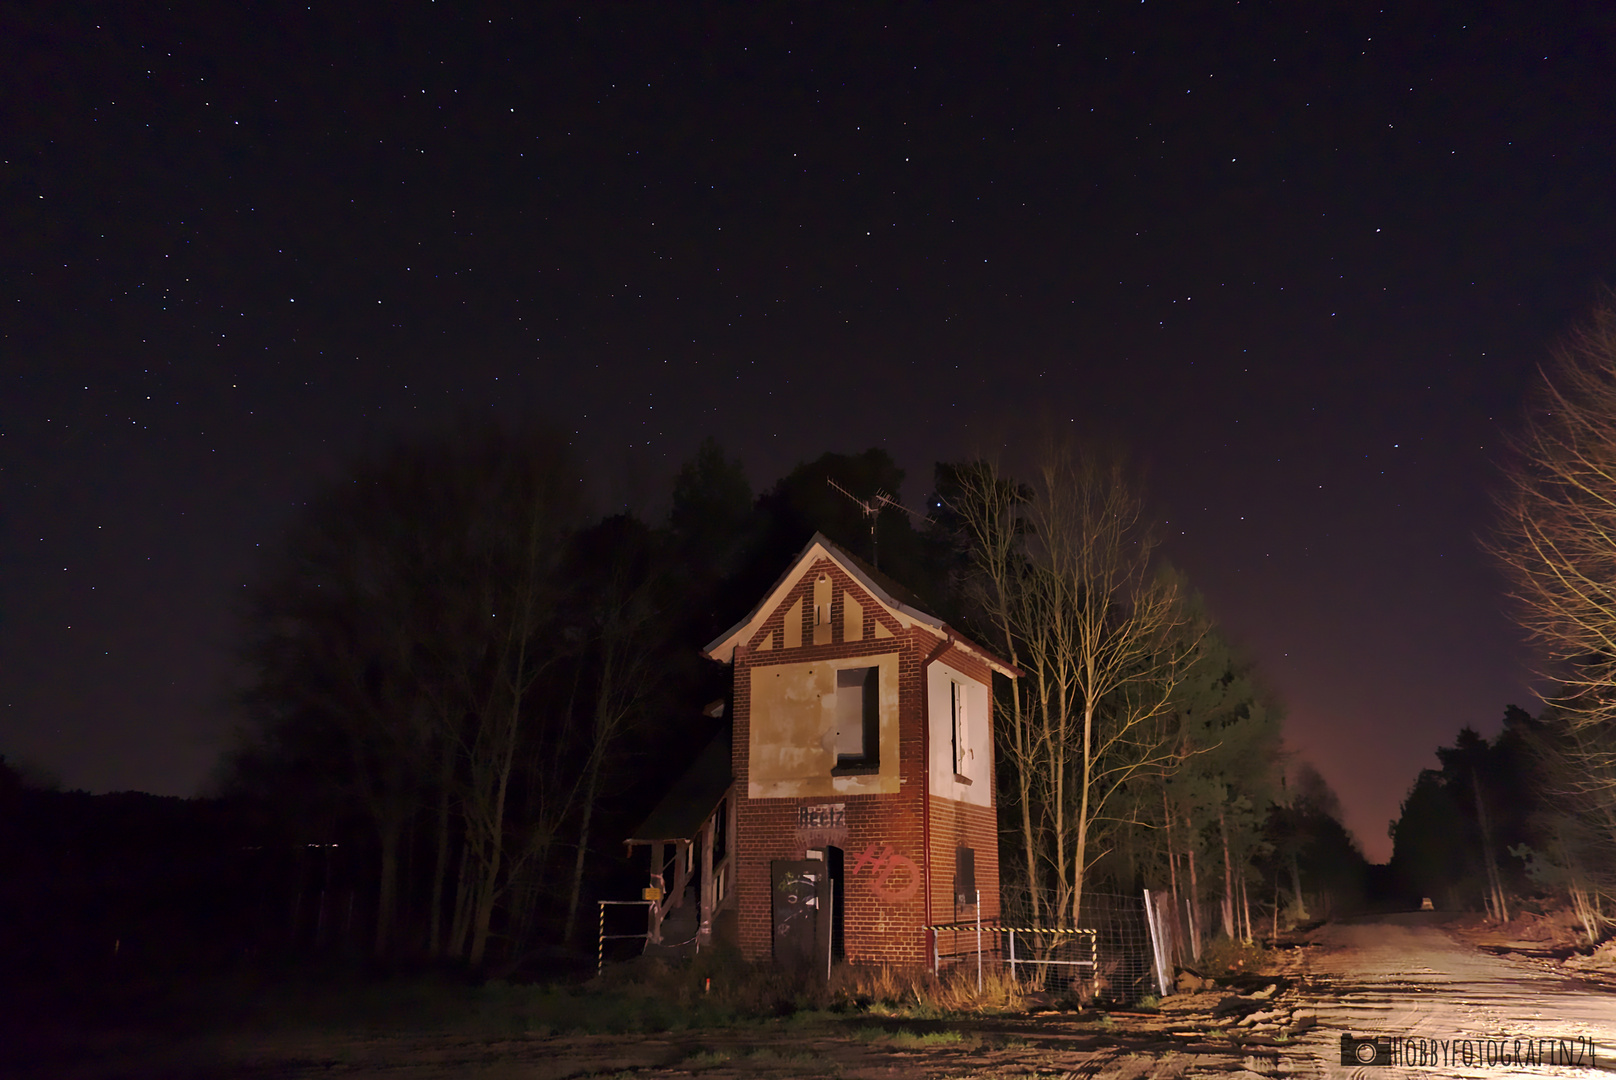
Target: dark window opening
x,y
964,877
858,703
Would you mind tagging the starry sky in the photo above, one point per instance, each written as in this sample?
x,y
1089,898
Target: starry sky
x,y
1301,260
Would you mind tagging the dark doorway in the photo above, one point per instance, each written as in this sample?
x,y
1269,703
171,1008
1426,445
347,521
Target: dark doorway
x,y
838,901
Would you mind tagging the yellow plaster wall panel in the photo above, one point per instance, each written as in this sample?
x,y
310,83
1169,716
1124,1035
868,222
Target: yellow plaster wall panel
x,y
852,618
791,635
881,631
767,643
792,744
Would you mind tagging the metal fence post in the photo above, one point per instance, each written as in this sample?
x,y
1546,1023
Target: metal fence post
x,y
1012,957
979,943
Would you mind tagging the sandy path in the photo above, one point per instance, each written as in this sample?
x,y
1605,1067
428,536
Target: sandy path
x,y
1404,976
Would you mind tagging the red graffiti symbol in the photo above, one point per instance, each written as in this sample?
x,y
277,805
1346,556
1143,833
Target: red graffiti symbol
x,y
882,865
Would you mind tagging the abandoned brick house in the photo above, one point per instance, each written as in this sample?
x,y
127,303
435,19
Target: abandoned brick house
x,y
850,812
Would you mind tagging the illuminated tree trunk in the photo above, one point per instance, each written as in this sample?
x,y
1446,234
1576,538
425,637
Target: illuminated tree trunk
x,y
1195,895
1229,929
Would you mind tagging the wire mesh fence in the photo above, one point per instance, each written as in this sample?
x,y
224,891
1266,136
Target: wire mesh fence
x,y
1109,955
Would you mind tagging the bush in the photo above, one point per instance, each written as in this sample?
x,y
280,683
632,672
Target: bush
x,y
1225,957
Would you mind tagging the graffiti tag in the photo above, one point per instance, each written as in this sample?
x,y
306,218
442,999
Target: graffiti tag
x,y
882,865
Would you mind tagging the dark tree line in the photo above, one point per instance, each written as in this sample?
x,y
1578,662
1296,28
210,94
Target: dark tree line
x,y
466,689
472,689
1556,538
1499,824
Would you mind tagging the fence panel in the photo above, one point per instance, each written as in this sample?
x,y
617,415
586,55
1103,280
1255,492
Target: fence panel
x,y
1110,953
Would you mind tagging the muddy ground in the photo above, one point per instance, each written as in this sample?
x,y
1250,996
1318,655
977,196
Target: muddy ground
x,y
1414,976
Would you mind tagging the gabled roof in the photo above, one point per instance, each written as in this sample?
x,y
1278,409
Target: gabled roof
x,y
899,601
692,799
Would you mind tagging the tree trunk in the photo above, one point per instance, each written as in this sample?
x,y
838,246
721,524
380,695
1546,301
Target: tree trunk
x,y
583,847
1296,887
1172,876
1245,905
1024,783
1229,929
1195,894
460,925
440,864
488,890
295,924
1080,857
387,889
1495,880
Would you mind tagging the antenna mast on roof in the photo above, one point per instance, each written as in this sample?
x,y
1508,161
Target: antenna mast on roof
x,y
872,508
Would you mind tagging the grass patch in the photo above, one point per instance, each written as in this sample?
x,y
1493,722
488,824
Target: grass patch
x,y
716,989
796,1057
706,1059
916,1040
920,995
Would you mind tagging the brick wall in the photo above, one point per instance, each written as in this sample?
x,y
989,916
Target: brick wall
x,y
884,900
955,825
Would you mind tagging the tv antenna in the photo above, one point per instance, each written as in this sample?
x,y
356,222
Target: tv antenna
x,y
871,509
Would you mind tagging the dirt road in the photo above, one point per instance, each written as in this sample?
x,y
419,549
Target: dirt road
x,y
1404,977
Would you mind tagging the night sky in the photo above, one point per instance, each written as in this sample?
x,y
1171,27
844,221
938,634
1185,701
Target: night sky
x,y
1303,261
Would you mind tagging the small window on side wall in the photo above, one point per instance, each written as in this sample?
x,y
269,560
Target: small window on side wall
x,y
960,728
858,742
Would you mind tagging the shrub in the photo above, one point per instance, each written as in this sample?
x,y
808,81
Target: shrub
x,y
1225,957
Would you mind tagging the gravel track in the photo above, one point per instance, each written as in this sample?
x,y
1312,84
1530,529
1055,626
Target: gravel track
x,y
1405,976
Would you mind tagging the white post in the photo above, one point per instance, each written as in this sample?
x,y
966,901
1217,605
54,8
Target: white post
x,y
1012,956
1156,944
979,943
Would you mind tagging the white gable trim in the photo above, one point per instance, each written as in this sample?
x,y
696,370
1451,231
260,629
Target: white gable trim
x,y
723,648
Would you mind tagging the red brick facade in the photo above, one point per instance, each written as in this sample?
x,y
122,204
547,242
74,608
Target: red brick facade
x,y
887,865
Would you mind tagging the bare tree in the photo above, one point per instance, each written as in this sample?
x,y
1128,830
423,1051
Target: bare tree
x,y
399,640
1065,574
333,641
620,603
1557,539
988,509
1116,652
